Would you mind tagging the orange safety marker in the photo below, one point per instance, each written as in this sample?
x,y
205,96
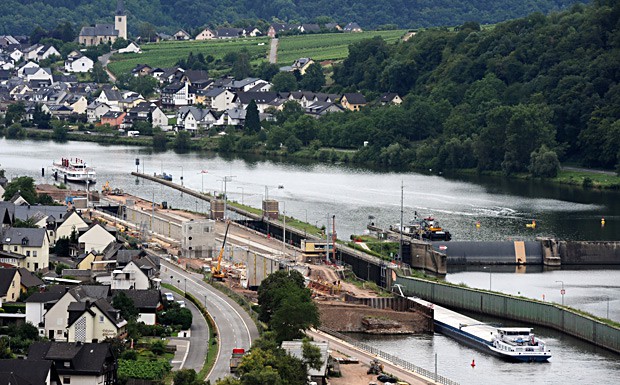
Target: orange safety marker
x,y
473,363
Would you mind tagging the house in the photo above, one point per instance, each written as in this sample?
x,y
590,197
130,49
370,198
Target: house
x,y
77,103
79,64
28,372
131,48
12,259
295,349
275,29
146,301
352,27
318,109
262,99
113,118
229,33
78,363
252,32
22,67
206,34
217,99
71,223
192,118
7,213
244,85
333,27
309,28
110,95
28,280
96,238
85,260
231,117
95,111
163,37
141,70
147,112
32,243
38,304
178,94
47,51
353,101
130,277
56,318
302,64
390,98
39,75
181,35
7,40
196,78
9,285
94,321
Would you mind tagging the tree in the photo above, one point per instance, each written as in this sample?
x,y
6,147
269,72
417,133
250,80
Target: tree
x,y
293,144
24,185
126,306
147,32
284,82
40,118
160,140
187,377
544,163
272,284
99,73
252,119
64,32
38,34
182,141
60,133
291,111
241,68
14,113
28,223
314,78
295,313
120,43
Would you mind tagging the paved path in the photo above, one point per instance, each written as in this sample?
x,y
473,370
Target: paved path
x,y
235,328
273,51
104,60
583,169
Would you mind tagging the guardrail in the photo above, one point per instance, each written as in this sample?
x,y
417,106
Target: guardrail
x,y
391,358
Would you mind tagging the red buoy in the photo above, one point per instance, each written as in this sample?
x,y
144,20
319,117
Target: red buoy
x,y
473,363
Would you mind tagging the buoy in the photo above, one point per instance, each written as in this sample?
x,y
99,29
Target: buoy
x,y
473,363
477,224
603,221
531,225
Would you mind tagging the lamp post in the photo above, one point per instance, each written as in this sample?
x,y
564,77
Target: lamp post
x,y
490,275
562,291
284,229
181,176
607,307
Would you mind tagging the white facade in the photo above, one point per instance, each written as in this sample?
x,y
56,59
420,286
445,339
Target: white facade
x,y
130,278
37,257
198,238
96,239
160,119
223,101
93,326
57,317
206,34
147,318
94,113
73,222
82,64
131,48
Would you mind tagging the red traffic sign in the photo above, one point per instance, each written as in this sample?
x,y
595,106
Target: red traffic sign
x,y
442,247
562,291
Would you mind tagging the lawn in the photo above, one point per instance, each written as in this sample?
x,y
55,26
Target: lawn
x,y
166,54
329,46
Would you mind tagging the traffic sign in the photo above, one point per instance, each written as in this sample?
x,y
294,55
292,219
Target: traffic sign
x,y
562,291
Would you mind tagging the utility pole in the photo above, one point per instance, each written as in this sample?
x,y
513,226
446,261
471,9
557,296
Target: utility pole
x,y
327,240
334,238
284,229
226,179
400,243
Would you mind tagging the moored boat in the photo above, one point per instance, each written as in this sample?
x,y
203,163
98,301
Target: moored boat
x,y
74,170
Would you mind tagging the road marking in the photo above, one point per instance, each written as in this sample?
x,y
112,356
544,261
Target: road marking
x,y
185,356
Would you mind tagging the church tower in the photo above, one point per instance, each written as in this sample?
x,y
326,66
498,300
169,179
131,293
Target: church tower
x,y
120,20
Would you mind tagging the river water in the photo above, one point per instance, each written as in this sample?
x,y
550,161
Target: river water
x,y
313,192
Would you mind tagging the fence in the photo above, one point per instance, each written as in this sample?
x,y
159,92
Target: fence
x,y
390,358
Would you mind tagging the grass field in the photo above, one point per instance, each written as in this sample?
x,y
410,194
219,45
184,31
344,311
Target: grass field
x,y
329,46
332,46
166,54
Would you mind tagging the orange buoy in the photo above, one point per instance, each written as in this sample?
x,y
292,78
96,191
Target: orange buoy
x,y
477,224
603,221
473,363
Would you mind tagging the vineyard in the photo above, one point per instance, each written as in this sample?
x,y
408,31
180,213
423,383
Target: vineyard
x,y
331,46
166,54
145,370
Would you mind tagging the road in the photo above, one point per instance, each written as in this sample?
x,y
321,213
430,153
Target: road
x,y
104,60
273,51
235,328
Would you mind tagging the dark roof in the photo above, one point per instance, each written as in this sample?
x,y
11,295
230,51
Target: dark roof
x,y
48,296
111,93
351,26
196,76
388,97
173,88
9,254
28,278
311,27
140,67
126,256
355,98
85,358
92,292
258,97
27,372
112,115
18,235
229,32
142,299
99,30
6,277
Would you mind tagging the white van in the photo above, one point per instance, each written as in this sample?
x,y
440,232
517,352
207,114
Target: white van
x,y
133,134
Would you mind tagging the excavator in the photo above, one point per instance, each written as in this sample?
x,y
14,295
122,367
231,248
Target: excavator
x,y
217,273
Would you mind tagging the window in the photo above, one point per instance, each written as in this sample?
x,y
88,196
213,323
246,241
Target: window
x,y
27,253
66,380
58,332
15,248
34,253
100,319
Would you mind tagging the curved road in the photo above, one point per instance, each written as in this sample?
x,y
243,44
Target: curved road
x,y
235,328
273,51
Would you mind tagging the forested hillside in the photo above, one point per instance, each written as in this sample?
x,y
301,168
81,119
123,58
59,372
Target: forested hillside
x,y
22,16
512,99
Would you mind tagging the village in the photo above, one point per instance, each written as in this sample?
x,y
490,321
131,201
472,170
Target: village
x,y
34,88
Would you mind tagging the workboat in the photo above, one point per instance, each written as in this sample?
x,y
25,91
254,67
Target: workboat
x,y
519,344
164,176
74,170
427,229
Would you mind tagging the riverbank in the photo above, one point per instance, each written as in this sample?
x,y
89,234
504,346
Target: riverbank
x,y
568,176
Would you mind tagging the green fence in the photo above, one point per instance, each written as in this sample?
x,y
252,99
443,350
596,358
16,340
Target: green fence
x,y
520,309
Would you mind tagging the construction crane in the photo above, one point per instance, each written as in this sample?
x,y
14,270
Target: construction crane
x,y
217,273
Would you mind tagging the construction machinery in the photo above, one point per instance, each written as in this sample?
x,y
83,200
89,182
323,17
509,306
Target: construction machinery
x,y
217,273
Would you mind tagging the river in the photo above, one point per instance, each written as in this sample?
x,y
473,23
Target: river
x,y
312,192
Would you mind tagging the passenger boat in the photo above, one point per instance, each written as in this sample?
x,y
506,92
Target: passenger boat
x,y
74,170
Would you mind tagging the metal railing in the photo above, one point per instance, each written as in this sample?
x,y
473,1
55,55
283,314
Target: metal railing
x,y
390,358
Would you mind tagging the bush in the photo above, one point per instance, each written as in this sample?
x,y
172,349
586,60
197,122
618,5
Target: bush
x,y
158,347
131,355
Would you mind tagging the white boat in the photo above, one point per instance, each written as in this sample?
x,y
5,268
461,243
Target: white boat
x,y
74,170
519,344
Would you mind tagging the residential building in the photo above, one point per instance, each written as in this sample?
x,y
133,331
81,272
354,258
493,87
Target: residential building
x,y
353,101
147,302
96,238
37,305
39,75
309,28
32,243
28,372
178,94
73,221
106,33
206,34
141,70
181,35
131,48
352,27
229,33
94,321
263,100
113,118
147,112
110,95
277,28
130,277
9,285
390,98
78,363
79,64
217,99
231,117
192,118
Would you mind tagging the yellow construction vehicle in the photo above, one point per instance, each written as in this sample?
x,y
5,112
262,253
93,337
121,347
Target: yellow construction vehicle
x,y
105,190
217,273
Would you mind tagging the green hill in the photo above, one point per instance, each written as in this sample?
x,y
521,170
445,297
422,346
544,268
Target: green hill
x,y
22,16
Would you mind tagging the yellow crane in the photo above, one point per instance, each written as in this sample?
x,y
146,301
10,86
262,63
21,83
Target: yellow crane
x,y
217,273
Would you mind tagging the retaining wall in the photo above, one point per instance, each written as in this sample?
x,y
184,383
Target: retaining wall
x,y
589,253
528,311
159,225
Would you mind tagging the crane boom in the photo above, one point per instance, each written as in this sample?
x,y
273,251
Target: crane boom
x,y
217,272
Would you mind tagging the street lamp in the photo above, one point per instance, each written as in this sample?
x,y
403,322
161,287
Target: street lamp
x,y
562,291
490,275
241,194
284,229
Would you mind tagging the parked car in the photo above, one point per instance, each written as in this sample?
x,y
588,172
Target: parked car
x,y
181,303
169,297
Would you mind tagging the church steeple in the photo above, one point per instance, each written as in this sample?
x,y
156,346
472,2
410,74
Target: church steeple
x,y
120,8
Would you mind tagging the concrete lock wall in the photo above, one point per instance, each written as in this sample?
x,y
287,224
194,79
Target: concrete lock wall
x,y
545,314
579,253
159,225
